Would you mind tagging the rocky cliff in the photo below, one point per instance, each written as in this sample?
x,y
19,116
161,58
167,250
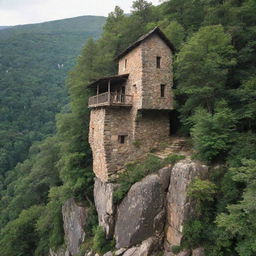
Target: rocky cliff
x,y
149,219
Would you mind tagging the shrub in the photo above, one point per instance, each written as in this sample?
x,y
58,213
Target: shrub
x,y
193,230
100,243
176,249
171,159
202,191
137,171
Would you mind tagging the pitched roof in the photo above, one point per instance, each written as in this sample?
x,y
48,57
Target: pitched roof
x,y
114,79
157,31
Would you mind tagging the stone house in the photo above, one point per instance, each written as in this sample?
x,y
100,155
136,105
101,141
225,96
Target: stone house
x,y
130,111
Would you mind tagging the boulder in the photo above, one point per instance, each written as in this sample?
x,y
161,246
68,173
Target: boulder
x,y
120,251
60,252
182,253
140,212
108,254
179,206
148,246
74,219
103,198
90,253
164,175
131,252
198,252
145,249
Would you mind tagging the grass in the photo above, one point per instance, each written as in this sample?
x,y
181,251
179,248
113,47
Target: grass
x,y
137,171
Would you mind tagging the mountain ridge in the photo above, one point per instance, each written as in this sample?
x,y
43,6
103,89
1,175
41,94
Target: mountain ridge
x,y
4,27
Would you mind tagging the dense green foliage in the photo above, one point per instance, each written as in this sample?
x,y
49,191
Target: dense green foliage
x,y
100,243
34,61
213,134
214,68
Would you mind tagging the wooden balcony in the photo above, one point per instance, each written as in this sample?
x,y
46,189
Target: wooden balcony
x,y
110,99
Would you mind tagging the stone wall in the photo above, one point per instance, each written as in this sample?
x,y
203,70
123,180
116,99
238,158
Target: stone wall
x,y
153,77
145,78
96,140
143,132
117,122
152,127
133,85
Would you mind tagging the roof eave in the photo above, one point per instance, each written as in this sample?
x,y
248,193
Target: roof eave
x,y
145,37
109,78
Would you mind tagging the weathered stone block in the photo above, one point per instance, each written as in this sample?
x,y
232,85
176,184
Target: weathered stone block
x,y
74,218
198,252
179,206
139,211
103,198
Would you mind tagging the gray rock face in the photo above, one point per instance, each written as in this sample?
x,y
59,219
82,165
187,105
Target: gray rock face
x,y
198,252
59,252
140,212
145,249
183,253
74,218
103,198
120,251
108,254
179,206
164,175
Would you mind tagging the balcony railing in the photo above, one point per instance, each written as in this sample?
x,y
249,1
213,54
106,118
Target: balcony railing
x,y
110,99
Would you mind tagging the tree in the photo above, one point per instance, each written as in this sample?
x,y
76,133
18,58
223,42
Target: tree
x,y
201,191
142,8
240,220
176,33
246,95
19,237
202,67
212,133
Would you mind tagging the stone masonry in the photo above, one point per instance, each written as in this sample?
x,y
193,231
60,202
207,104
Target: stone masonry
x,y
120,134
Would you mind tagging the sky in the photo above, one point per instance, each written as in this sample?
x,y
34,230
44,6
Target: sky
x,y
16,12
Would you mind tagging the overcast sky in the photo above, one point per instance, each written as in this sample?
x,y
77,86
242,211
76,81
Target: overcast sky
x,y
14,12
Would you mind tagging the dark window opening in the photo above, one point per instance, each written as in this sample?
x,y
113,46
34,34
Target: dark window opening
x,y
158,61
122,138
125,63
162,88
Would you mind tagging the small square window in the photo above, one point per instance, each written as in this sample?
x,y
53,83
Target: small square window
x,y
162,90
122,139
158,61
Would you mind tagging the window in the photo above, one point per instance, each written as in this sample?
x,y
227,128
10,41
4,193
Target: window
x,y
122,138
125,63
158,61
162,90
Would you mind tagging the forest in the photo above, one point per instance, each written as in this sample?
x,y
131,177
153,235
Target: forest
x,y
34,62
215,94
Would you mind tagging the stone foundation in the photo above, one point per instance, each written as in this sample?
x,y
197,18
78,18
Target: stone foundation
x,y
143,131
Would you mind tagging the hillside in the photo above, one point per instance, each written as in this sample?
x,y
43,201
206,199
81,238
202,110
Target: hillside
x,y
3,27
34,62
